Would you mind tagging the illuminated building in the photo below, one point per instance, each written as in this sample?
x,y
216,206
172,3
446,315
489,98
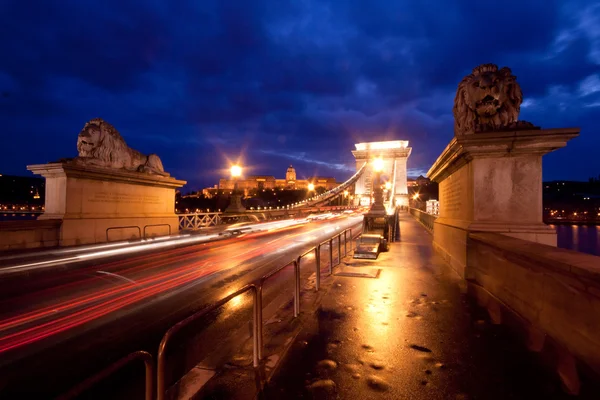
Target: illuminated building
x,y
262,182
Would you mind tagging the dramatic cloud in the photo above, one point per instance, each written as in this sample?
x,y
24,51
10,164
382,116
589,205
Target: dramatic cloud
x,y
288,82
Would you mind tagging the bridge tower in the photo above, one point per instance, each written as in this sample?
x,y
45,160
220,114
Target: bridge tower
x,y
394,155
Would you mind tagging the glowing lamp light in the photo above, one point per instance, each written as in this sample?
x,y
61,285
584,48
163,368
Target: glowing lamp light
x,y
378,164
416,196
236,171
311,187
388,185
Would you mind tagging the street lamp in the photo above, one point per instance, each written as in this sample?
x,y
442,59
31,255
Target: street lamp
x,y
236,171
235,205
378,164
311,187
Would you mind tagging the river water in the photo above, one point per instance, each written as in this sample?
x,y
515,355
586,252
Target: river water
x,y
583,238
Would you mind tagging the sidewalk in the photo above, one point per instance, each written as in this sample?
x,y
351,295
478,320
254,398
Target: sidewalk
x,y
410,333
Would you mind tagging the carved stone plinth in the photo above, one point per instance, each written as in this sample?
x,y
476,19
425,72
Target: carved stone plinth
x,y
492,182
235,205
101,204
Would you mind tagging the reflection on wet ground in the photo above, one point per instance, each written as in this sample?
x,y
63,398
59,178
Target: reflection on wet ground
x,y
410,334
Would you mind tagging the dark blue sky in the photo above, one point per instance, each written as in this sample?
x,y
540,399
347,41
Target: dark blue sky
x,y
290,81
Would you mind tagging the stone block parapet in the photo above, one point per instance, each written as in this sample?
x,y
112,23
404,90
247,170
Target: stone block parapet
x,y
556,292
29,234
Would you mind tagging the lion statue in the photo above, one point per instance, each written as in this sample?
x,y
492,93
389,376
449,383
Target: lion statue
x,y
489,99
100,144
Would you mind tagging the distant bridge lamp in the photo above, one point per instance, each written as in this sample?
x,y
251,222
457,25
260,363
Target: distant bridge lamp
x,y
235,205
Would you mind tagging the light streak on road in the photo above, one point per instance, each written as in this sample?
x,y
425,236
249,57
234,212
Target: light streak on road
x,y
100,251
139,279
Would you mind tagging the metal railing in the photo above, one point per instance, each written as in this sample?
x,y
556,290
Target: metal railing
x,y
111,369
198,220
424,218
124,227
257,290
160,368
153,225
257,336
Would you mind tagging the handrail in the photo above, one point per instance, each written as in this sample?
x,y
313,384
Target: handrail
x,y
160,377
94,379
124,227
296,280
256,289
146,226
427,220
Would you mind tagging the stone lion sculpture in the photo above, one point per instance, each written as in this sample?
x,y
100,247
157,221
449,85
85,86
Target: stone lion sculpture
x,y
100,144
488,99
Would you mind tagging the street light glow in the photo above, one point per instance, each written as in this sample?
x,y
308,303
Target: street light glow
x,y
416,196
311,187
236,171
378,164
388,185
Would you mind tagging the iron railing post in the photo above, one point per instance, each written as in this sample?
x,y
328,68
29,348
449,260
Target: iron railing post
x,y
256,327
346,242
339,249
296,287
259,332
318,262
330,256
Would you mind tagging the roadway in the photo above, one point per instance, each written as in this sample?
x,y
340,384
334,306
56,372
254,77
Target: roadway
x,y
64,316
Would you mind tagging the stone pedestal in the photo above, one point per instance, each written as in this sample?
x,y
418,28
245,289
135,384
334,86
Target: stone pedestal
x,y
235,204
492,182
100,204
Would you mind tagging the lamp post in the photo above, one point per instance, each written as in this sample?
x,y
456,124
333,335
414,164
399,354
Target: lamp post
x,y
377,207
311,187
235,205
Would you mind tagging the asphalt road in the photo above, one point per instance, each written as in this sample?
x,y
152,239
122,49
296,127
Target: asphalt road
x,y
59,323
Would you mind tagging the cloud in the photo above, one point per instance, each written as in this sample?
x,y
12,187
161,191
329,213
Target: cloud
x,y
202,83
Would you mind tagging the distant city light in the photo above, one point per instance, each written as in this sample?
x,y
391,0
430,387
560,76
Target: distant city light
x,y
311,187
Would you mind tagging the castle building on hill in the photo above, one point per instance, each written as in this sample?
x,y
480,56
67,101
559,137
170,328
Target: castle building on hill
x,y
263,182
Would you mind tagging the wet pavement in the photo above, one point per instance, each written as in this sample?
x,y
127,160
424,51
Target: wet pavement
x,y
410,333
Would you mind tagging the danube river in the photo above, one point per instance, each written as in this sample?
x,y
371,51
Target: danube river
x,y
584,238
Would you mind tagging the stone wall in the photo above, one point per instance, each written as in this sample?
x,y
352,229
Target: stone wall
x,y
29,234
555,291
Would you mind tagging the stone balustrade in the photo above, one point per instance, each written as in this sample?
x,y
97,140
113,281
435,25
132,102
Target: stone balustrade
x,y
29,234
555,293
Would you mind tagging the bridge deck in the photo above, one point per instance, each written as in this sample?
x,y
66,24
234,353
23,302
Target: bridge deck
x,y
411,333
